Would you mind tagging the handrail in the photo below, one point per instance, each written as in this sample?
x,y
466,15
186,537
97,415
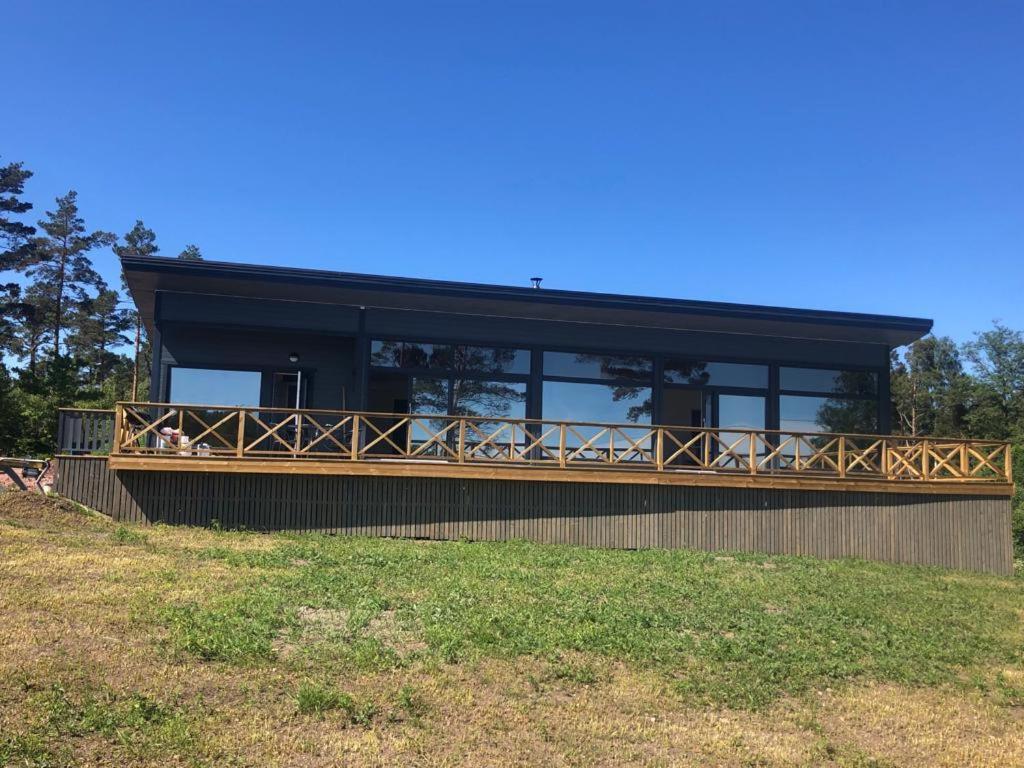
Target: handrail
x,y
166,429
629,425
85,431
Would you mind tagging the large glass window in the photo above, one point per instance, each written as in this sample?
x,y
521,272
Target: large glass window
x,y
826,381
584,365
702,374
209,386
608,388
462,357
405,354
579,401
799,413
468,397
460,379
481,397
741,412
828,400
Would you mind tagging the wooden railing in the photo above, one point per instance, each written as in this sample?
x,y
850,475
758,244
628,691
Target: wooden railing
x,y
197,431
85,431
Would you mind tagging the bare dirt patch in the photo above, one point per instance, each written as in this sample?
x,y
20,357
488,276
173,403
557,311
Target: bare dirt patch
x,y
389,632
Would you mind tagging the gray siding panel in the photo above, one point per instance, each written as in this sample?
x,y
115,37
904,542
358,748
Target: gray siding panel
x,y
328,360
962,532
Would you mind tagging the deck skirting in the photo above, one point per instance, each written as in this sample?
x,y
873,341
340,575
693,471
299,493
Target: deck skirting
x,y
954,530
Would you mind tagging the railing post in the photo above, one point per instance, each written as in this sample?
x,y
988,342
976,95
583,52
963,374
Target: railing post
x,y
965,461
240,447
1008,462
354,450
561,445
298,432
462,441
706,453
842,455
753,453
924,459
115,447
659,449
884,461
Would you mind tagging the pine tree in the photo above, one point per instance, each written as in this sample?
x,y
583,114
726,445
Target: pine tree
x,y
15,236
32,333
60,264
15,248
191,253
100,327
140,240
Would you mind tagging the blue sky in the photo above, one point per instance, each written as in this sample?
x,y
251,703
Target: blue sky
x,y
856,156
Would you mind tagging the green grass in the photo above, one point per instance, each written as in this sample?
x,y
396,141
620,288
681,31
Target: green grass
x,y
314,698
739,630
157,646
139,725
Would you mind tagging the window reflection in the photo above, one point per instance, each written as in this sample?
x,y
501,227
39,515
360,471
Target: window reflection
x,y
403,354
579,401
584,365
738,412
492,359
828,414
429,395
416,355
476,397
860,383
699,374
208,386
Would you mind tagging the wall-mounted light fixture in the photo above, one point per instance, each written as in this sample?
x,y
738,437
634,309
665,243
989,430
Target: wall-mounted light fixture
x,y
293,357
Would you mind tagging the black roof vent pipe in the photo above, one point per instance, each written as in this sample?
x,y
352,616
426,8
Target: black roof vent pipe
x,y
536,281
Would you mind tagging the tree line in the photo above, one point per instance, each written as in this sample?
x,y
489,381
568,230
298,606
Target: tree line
x,y
67,338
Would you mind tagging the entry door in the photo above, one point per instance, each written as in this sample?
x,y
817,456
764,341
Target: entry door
x,y
289,390
685,411
389,393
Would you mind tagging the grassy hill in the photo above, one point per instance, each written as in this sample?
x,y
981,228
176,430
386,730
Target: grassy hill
x,y
164,646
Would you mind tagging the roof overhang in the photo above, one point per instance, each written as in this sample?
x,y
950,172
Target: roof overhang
x,y
148,275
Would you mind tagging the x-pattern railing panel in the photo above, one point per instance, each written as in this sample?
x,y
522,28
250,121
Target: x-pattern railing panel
x,y
198,430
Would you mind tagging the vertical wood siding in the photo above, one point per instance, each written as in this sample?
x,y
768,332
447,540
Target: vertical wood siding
x,y
963,532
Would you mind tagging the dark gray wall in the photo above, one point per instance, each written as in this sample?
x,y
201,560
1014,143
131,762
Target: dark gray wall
x,y
327,361
964,532
227,330
326,318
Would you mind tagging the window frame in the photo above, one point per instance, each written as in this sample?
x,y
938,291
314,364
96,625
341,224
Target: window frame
x,y
877,397
536,377
266,384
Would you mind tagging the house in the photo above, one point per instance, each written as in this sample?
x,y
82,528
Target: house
x,y
305,399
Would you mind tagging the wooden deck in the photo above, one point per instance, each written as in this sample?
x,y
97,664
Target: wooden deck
x,y
214,439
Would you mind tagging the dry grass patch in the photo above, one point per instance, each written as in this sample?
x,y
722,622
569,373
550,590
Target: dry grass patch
x,y
924,727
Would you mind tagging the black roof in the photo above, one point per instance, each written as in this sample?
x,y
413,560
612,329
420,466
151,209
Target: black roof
x,y
146,275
